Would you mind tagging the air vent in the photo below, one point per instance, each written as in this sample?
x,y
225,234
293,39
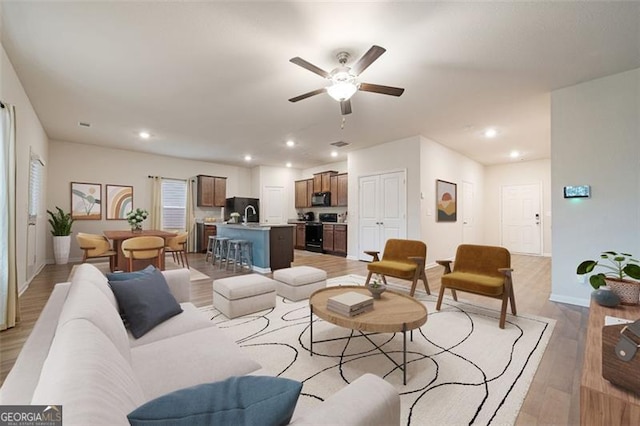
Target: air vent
x,y
339,144
84,124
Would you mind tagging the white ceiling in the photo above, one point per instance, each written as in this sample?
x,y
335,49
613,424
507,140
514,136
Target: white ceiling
x,y
210,80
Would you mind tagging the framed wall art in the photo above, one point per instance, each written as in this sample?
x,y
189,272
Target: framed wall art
x,y
446,201
86,203
119,201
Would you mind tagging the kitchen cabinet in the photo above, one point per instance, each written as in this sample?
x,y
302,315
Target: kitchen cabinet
x,y
202,239
300,236
334,239
303,193
339,190
211,191
322,181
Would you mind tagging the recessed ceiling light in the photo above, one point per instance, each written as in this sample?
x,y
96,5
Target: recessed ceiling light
x,y
247,158
144,135
514,154
290,143
334,153
288,164
490,133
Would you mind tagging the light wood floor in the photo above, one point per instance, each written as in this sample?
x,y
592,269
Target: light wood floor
x,y
554,395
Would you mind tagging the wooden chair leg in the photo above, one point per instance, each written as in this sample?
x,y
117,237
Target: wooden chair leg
x,y
426,282
414,283
368,278
186,258
454,294
512,298
384,279
440,297
503,310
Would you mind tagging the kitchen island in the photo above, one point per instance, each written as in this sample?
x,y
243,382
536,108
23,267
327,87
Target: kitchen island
x,y
272,244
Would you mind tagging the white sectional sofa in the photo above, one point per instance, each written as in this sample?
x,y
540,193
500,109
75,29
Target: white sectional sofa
x,y
81,356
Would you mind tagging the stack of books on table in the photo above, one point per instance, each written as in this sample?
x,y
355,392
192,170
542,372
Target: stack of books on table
x,y
350,304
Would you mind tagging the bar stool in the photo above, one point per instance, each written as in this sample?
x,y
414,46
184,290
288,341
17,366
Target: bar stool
x,y
238,251
219,248
210,246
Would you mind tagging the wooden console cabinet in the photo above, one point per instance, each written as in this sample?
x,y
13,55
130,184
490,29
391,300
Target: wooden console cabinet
x,y
602,403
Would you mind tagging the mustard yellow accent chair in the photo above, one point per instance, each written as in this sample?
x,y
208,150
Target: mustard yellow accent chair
x,y
404,259
96,246
137,248
483,270
177,246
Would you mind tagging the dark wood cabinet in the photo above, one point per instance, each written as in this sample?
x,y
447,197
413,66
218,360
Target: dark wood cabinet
x,y
280,247
339,190
204,231
334,239
212,191
317,182
300,236
322,181
303,193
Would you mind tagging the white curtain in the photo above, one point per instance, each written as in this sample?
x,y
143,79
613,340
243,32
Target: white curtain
x,y
191,218
9,311
156,202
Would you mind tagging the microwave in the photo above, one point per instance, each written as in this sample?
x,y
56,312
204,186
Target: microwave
x,y
321,199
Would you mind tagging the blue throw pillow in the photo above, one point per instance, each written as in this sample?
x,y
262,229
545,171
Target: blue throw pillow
x,y
245,400
146,301
124,276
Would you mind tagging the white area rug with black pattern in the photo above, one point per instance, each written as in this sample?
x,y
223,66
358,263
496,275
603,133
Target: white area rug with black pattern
x,y
461,367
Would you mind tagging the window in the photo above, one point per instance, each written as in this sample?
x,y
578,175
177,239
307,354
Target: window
x,y
174,204
35,184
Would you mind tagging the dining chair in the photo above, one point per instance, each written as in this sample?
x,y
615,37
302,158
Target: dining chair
x,y
96,246
177,246
138,248
404,259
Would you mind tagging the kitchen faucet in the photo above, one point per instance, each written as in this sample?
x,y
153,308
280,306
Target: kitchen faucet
x,y
245,211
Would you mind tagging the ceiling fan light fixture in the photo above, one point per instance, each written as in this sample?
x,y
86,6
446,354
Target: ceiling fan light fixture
x,y
342,90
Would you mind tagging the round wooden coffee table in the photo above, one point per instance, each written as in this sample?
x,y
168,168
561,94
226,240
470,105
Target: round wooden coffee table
x,y
393,313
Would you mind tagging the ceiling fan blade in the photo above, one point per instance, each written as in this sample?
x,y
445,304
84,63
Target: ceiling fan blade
x,y
345,107
385,90
367,59
309,66
308,95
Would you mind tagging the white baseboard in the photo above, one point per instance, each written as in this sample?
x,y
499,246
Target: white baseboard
x,y
261,270
570,300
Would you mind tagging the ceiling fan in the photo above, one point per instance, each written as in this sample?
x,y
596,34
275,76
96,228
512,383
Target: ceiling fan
x,y
344,79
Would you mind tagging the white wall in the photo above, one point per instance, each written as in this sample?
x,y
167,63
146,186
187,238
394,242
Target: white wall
x,y
72,162
29,135
277,176
595,140
517,173
439,162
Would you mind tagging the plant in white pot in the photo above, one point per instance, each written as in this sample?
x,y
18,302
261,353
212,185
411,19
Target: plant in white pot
x,y
61,230
619,267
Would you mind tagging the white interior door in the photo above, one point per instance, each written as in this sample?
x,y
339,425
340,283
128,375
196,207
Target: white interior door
x,y
382,211
467,207
521,218
273,205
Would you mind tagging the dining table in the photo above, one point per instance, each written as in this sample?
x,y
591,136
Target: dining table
x,y
118,236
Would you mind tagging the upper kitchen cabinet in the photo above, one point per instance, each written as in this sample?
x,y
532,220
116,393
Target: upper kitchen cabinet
x,y
212,191
339,190
322,181
304,190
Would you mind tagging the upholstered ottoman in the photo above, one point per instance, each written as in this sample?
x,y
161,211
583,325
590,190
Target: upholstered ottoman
x,y
299,282
244,294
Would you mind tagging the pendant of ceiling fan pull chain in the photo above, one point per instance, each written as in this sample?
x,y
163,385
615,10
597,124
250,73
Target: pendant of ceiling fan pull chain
x,y
343,121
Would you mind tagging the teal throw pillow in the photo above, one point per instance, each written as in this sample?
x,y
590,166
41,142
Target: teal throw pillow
x,y
145,301
244,400
124,276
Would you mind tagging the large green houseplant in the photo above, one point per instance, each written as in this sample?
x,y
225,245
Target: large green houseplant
x,y
61,230
619,267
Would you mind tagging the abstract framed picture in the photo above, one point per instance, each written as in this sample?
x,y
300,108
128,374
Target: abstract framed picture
x,y
86,201
119,201
446,201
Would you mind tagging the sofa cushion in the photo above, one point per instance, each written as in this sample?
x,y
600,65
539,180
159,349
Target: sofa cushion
x,y
146,301
124,276
86,301
477,283
201,356
247,400
86,374
394,268
87,273
189,320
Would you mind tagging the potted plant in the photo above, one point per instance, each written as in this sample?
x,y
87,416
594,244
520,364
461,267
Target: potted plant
x,y
618,268
376,287
135,219
61,230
